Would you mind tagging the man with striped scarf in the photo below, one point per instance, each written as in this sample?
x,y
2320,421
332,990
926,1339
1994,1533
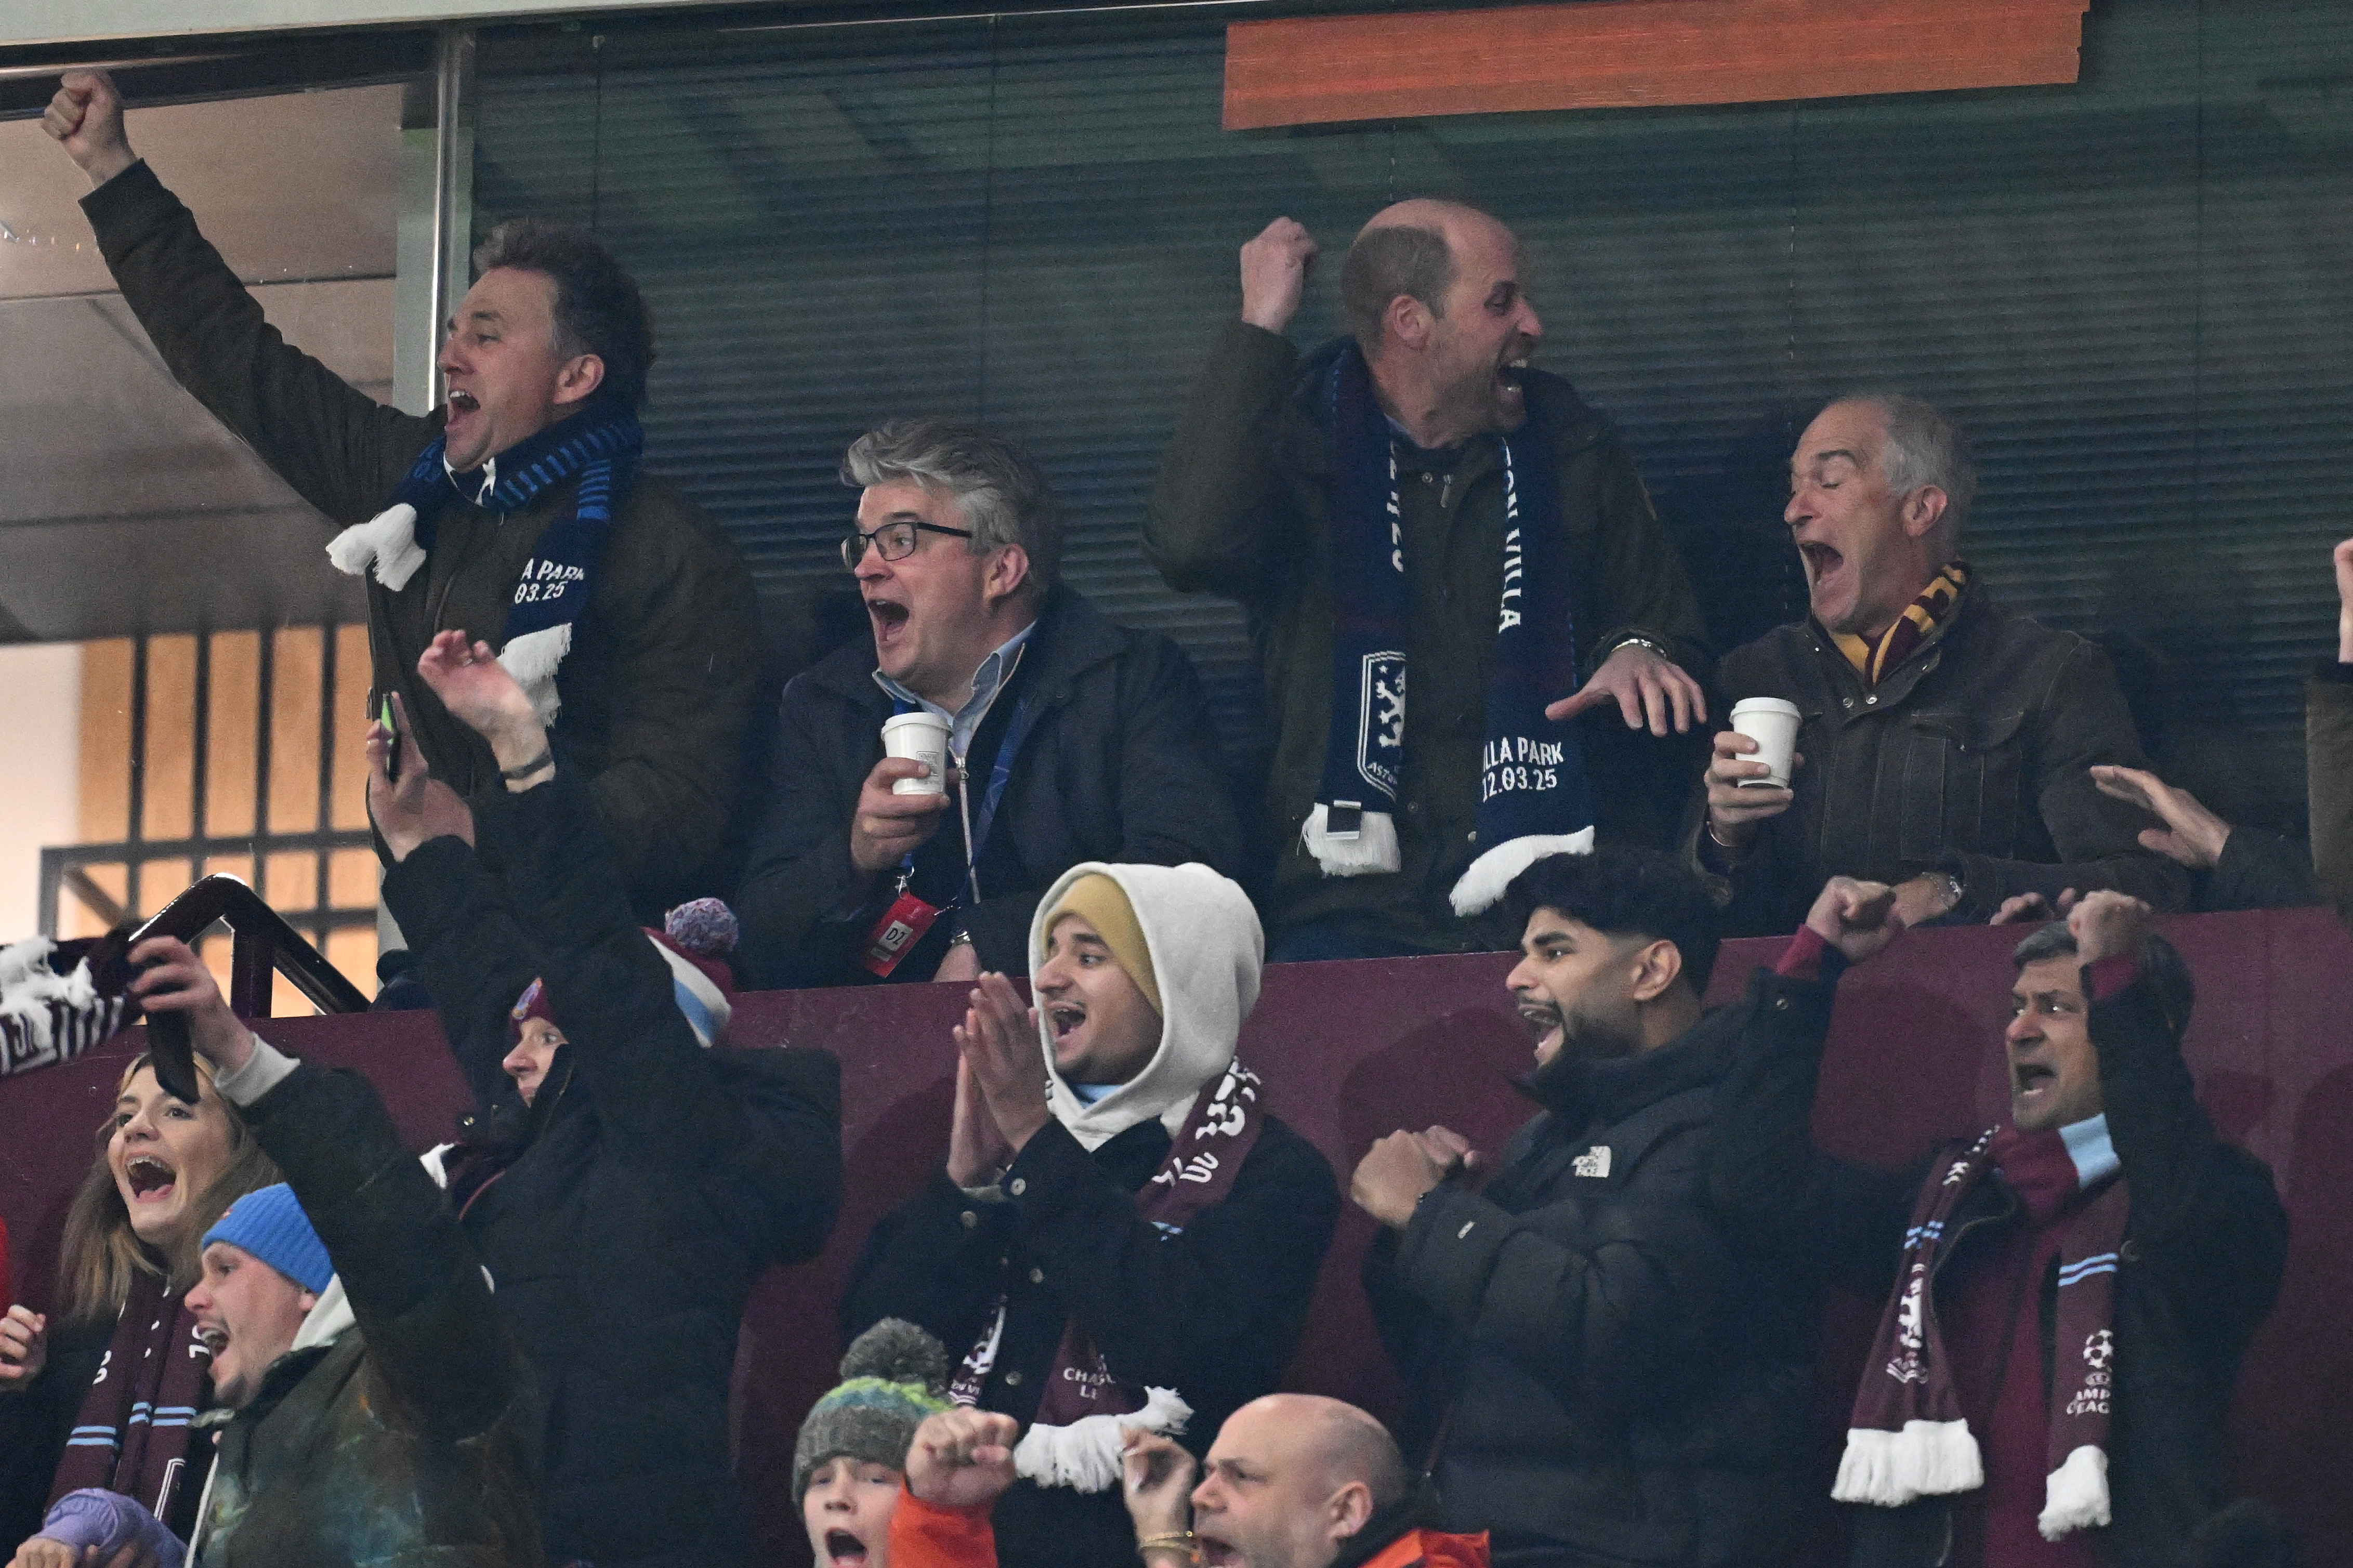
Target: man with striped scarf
x,y
516,512
2067,1294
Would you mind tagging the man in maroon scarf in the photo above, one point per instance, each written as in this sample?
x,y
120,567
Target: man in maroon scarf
x,y
2068,1294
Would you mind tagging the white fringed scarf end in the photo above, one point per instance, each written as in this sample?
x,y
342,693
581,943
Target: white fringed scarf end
x,y
1927,1458
2075,1495
1483,882
1085,1454
1373,849
532,659
386,541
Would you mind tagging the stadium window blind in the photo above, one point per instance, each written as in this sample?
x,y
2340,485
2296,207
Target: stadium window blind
x,y
2133,289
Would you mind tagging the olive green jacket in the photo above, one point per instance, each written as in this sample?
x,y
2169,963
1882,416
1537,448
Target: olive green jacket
x,y
1241,509
406,1441
665,659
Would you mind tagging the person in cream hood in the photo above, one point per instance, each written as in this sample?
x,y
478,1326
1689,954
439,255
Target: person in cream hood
x,y
1127,1238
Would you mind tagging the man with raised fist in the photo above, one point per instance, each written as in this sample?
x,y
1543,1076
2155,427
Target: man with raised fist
x,y
1416,497
516,509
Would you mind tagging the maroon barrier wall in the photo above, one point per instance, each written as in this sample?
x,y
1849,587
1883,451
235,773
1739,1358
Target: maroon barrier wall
x,y
1352,1051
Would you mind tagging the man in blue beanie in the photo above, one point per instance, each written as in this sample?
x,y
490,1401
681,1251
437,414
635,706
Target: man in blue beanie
x,y
371,1407
265,1270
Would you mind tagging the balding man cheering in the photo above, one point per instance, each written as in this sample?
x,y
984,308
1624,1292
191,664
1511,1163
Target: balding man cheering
x,y
1414,506
1294,1481
1945,745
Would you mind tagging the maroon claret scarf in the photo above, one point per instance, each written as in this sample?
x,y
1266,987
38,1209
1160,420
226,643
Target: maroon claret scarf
x,y
1074,1439
1907,1438
133,1435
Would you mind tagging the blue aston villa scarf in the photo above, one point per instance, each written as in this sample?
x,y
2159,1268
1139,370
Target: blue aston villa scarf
x,y
1533,793
598,444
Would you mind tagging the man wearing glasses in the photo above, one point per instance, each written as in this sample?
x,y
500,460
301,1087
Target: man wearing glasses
x,y
1070,739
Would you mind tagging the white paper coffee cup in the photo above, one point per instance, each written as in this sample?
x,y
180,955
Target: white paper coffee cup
x,y
1772,723
923,738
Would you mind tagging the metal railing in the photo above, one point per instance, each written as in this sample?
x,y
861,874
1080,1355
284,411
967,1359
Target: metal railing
x,y
261,943
66,870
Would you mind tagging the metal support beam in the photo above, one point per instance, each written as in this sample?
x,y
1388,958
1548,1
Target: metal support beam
x,y
435,217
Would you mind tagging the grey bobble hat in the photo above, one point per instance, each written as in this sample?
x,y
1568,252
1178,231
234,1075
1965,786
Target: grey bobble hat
x,y
893,1375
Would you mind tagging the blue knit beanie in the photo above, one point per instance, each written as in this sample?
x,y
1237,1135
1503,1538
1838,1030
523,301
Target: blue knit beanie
x,y
269,1223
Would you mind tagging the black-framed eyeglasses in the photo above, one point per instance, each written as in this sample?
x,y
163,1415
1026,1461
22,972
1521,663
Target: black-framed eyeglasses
x,y
895,540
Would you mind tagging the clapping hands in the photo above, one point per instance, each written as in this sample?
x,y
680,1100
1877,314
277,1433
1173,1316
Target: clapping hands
x,y
1000,1082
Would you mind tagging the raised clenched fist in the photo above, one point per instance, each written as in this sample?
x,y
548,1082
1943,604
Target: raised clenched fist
x,y
1274,274
1857,918
86,118
2109,924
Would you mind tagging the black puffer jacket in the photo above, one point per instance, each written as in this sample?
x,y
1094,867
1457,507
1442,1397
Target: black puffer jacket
x,y
2199,1265
1214,1312
1120,765
626,1215
1619,1382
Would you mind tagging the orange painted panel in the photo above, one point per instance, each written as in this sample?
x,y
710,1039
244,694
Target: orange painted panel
x,y
289,881
169,798
351,877
78,918
353,952
1634,53
161,881
106,742
348,744
230,740
294,734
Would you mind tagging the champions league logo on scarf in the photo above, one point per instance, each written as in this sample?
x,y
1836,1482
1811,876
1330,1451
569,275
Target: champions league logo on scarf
x,y
1534,800
600,447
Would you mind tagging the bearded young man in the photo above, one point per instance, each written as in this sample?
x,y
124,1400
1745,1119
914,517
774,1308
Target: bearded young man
x,y
1069,739
1416,499
1595,1370
1945,746
2068,1294
516,509
1126,1239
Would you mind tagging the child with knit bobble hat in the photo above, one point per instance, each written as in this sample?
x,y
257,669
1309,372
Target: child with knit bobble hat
x,y
852,1454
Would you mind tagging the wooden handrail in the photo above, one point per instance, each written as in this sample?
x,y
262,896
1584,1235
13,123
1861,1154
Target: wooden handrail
x,y
260,942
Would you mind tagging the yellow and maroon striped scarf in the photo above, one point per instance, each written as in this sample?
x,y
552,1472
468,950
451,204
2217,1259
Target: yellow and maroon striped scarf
x,y
1918,623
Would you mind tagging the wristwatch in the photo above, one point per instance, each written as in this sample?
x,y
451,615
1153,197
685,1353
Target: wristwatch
x,y
961,939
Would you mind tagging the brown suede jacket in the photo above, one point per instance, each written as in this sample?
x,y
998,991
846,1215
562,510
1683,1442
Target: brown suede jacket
x,y
1972,757
664,663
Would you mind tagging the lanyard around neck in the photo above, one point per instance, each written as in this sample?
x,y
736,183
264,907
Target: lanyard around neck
x,y
1001,774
